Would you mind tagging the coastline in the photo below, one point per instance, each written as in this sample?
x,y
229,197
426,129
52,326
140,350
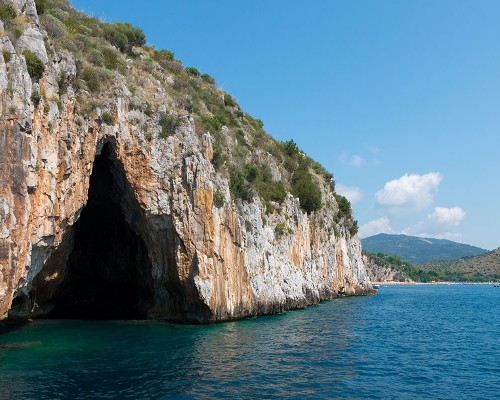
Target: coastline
x,y
432,283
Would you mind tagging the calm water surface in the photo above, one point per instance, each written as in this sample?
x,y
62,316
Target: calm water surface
x,y
409,342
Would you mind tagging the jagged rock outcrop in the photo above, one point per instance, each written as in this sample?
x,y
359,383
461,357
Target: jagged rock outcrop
x,y
383,272
97,216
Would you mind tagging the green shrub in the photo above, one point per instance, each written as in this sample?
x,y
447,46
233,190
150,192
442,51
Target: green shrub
x,y
91,78
280,228
110,58
41,6
218,157
193,71
181,85
353,229
54,27
164,55
218,199
210,123
229,101
6,56
269,207
208,79
96,57
34,64
59,12
331,185
239,186
271,191
7,12
17,31
168,123
251,172
345,210
266,173
172,66
291,148
104,74
148,65
108,118
214,123
35,98
83,43
345,213
307,190
124,36
74,25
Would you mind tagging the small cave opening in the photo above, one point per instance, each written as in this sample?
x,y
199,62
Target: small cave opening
x,y
108,271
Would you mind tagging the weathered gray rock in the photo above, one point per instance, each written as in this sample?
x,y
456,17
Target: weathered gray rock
x,y
384,273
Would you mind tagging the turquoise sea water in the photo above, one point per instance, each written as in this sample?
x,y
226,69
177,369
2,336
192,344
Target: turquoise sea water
x,y
408,342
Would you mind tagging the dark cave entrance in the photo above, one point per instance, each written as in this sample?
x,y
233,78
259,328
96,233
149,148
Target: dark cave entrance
x,y
108,272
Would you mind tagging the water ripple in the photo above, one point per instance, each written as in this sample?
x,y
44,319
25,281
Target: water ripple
x,y
410,342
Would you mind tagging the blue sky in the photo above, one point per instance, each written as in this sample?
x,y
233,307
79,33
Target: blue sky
x,y
399,99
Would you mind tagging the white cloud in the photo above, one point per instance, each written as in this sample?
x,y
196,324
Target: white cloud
x,y
352,193
381,225
410,192
355,160
439,224
447,217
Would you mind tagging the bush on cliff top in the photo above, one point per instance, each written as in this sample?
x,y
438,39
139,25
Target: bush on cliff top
x,y
124,36
307,190
193,71
238,138
345,213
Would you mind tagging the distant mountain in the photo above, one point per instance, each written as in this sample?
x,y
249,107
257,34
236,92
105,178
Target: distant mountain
x,y
383,268
417,250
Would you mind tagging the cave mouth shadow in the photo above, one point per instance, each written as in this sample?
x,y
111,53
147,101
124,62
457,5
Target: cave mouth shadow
x,y
108,272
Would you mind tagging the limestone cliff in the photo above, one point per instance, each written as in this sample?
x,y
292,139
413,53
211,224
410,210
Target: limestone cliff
x,y
383,272
115,191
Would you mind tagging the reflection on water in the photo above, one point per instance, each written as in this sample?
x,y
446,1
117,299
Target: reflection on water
x,y
410,342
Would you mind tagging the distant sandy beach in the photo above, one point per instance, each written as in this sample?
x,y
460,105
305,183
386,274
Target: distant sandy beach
x,y
432,283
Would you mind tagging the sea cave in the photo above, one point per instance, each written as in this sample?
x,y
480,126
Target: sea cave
x,y
107,270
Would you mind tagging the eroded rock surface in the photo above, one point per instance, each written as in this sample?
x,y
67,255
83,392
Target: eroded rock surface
x,y
162,248
384,273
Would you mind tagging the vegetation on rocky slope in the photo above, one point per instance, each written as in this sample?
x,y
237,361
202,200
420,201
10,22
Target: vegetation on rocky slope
x,y
254,163
445,271
485,264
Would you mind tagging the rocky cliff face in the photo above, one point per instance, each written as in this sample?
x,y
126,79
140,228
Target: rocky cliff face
x,y
102,218
383,272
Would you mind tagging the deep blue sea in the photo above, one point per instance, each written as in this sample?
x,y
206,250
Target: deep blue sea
x,y
409,342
